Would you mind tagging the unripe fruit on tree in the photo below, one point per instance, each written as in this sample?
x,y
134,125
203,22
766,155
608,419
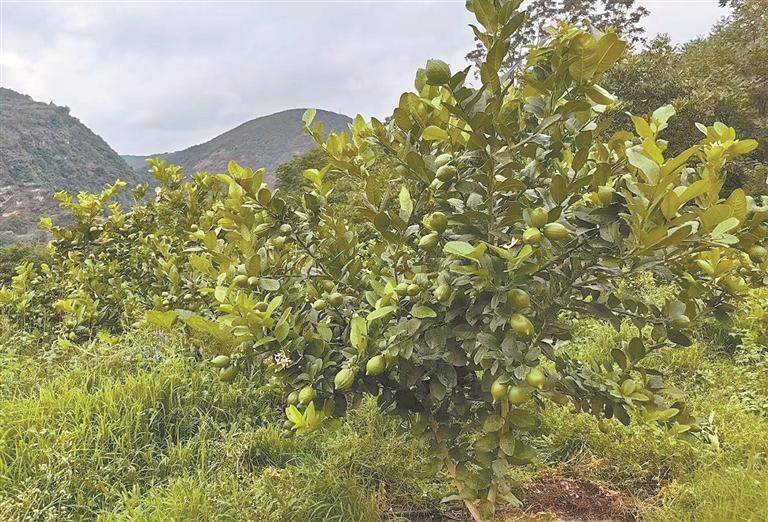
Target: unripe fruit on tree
x,y
539,217
447,173
376,365
253,281
758,253
532,236
498,391
306,395
261,306
442,292
436,221
604,426
556,232
519,299
221,361
521,325
401,289
344,379
681,321
227,374
628,387
293,398
443,159
286,228
241,280
517,395
319,305
413,289
605,195
336,299
429,241
536,378
438,72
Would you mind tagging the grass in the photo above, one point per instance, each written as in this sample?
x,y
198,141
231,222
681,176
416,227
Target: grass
x,y
136,428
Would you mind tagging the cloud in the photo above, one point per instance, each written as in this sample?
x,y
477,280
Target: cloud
x,y
153,77
161,76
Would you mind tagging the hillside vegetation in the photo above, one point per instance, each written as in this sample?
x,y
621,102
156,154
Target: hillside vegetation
x,y
44,149
265,142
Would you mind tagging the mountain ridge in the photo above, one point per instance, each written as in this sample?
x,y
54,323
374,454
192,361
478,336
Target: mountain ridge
x,y
266,141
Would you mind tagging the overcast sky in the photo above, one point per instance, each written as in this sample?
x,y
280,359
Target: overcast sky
x,y
159,76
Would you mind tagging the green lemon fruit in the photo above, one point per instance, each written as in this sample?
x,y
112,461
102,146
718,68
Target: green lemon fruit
x,y
376,365
438,72
758,253
293,398
436,221
443,159
447,173
221,361
518,395
227,374
539,217
442,292
344,379
306,395
499,391
532,236
605,195
319,305
429,241
519,299
536,378
628,387
336,299
556,232
521,325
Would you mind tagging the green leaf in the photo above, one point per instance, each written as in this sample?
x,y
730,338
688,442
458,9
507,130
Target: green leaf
x,y
379,313
641,126
744,146
422,312
270,285
725,226
607,52
434,133
294,415
646,165
161,319
309,116
458,248
358,334
523,419
669,205
661,116
406,204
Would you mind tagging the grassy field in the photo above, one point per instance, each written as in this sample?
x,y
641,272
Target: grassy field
x,y
138,428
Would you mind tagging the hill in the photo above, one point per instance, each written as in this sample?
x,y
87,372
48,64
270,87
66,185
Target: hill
x,y
266,142
44,149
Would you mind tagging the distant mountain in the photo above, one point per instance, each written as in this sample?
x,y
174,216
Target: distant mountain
x,y
44,149
265,142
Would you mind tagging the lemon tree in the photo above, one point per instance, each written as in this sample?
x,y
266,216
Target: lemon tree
x,y
488,217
